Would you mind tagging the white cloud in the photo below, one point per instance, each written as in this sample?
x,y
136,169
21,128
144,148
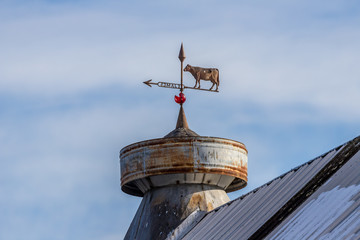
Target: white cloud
x,y
75,50
282,66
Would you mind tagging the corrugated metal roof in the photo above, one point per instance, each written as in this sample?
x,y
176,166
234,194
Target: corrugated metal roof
x,y
259,211
332,212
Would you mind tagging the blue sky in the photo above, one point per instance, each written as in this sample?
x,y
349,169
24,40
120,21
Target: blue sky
x,y
71,96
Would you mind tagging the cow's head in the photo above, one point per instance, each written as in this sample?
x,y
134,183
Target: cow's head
x,y
187,68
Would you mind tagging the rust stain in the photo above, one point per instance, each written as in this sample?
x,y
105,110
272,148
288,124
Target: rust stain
x,y
209,206
183,155
197,200
159,141
238,173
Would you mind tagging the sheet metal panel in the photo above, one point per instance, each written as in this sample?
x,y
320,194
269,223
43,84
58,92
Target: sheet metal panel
x,y
240,218
332,212
273,199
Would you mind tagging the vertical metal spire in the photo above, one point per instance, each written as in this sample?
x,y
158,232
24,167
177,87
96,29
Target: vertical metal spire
x,y
182,58
182,122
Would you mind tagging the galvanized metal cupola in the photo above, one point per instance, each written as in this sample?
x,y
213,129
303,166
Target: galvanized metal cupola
x,y
179,174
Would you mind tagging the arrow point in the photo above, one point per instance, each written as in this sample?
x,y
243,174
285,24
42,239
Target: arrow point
x,y
182,53
148,82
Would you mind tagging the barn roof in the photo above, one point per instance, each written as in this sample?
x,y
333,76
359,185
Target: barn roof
x,y
288,206
333,211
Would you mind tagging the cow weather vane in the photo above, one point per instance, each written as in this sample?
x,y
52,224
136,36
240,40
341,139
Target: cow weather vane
x,y
199,73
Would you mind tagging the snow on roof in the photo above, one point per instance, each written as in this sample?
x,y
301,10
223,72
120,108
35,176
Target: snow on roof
x,y
332,212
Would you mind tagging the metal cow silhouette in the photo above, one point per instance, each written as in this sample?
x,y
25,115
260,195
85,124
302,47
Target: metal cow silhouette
x,y
207,74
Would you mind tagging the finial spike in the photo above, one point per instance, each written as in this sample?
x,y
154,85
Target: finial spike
x,y
182,53
182,122
182,128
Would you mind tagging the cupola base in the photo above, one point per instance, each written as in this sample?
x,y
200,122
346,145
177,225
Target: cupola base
x,y
163,209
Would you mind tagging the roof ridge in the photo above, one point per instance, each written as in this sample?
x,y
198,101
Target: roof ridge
x,y
348,150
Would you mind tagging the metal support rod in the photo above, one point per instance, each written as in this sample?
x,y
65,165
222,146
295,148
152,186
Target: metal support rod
x,y
202,89
182,85
182,58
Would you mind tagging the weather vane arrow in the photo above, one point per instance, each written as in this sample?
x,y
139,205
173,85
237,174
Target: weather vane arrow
x,y
174,85
163,84
199,73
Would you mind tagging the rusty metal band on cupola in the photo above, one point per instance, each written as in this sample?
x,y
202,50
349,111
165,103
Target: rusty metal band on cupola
x,y
210,160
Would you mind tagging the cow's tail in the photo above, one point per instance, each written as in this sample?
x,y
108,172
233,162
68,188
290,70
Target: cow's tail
x,y
218,77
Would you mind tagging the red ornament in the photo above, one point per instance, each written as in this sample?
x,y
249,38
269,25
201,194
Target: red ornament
x,y
180,99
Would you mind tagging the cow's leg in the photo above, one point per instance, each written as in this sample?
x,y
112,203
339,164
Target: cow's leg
x,y
212,86
198,79
217,86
